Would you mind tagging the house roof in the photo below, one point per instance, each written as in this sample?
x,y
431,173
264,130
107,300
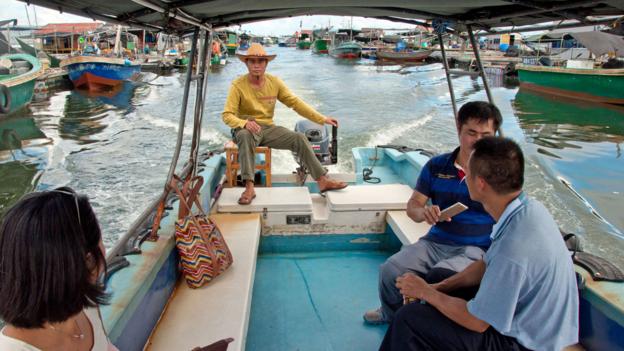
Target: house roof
x,y
68,28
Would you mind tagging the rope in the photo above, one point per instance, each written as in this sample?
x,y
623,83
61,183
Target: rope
x,y
366,172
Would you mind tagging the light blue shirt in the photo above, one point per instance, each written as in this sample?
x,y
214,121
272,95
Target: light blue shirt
x,y
529,290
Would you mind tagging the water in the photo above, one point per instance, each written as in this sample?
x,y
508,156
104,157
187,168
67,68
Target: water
x,y
117,150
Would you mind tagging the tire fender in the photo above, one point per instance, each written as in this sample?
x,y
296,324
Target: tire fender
x,y
6,107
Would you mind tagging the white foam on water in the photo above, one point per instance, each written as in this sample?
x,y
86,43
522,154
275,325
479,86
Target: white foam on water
x,y
395,131
207,134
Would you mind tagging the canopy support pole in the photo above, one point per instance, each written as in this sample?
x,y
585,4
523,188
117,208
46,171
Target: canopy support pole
x,y
185,97
475,49
448,75
200,95
153,236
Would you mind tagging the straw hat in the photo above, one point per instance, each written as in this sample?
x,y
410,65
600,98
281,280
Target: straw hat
x,y
255,51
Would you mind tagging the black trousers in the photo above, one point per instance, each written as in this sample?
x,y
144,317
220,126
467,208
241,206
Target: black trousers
x,y
422,327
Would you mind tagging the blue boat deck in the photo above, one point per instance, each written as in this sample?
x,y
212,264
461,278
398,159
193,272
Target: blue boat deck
x,y
315,301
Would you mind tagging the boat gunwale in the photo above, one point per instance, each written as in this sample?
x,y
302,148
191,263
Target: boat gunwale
x,y
563,70
35,71
97,59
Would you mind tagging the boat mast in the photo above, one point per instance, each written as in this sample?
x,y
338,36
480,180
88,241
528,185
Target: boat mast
x,y
117,41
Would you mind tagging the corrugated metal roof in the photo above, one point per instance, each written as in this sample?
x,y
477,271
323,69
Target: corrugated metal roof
x,y
68,28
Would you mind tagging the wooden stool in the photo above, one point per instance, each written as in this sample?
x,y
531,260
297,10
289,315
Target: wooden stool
x,y
232,165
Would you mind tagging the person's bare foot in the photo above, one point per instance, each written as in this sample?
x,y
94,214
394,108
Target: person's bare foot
x,y
248,195
326,184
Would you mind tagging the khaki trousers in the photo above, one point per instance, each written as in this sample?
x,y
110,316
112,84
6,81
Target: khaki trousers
x,y
275,137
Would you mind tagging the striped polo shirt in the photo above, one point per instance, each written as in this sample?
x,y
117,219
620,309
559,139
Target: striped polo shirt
x,y
443,183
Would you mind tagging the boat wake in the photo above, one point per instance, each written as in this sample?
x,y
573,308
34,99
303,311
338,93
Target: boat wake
x,y
394,132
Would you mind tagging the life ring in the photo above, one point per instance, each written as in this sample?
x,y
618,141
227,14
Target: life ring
x,y
6,107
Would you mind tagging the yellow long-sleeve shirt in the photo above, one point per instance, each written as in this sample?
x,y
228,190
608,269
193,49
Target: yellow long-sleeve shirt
x,y
246,102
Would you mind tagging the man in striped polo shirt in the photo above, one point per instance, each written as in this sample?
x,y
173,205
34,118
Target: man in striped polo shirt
x,y
453,244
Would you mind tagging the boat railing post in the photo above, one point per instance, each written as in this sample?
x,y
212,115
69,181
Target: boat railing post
x,y
185,97
475,49
199,100
446,71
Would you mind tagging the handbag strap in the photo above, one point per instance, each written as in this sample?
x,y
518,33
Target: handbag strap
x,y
187,203
190,191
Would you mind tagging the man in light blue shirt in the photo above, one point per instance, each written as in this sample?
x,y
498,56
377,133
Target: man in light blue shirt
x,y
527,299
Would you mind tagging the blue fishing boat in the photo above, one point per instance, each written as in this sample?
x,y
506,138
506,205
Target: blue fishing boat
x,y
99,72
305,265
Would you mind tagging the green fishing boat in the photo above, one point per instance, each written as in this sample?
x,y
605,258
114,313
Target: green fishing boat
x,y
17,81
54,62
232,43
320,46
303,42
303,45
595,84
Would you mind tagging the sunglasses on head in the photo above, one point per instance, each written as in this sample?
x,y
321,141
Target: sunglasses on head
x,y
72,194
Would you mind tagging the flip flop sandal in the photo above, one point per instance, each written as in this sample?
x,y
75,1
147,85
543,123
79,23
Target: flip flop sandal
x,y
246,200
337,188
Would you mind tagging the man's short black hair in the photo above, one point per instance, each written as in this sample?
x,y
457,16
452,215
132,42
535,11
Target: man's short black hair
x,y
481,111
45,273
500,162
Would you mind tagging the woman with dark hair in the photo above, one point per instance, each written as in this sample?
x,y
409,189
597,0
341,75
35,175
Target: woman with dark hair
x,y
51,259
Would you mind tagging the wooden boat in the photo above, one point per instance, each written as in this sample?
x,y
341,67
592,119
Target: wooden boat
x,y
320,46
54,61
276,296
403,56
303,42
346,50
231,42
369,51
18,81
594,84
99,72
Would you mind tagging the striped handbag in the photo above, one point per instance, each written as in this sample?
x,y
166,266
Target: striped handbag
x,y
203,251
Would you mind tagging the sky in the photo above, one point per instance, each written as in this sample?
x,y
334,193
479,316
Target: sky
x,y
16,9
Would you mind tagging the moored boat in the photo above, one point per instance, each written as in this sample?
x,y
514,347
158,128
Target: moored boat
x,y
303,310
99,72
346,50
17,81
54,61
320,46
303,43
591,84
403,56
231,42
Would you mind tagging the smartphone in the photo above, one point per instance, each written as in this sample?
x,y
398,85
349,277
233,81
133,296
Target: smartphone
x,y
451,211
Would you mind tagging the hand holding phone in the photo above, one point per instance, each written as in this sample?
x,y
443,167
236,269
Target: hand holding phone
x,y
451,211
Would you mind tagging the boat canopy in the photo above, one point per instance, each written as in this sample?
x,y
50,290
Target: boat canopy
x,y
182,15
600,43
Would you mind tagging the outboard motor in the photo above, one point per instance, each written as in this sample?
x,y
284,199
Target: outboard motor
x,y
325,149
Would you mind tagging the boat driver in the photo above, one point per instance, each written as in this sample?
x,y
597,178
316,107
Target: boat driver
x,y
249,110
528,296
453,244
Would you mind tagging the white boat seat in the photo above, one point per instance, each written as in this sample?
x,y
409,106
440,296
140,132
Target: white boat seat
x,y
370,198
405,228
199,317
278,199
